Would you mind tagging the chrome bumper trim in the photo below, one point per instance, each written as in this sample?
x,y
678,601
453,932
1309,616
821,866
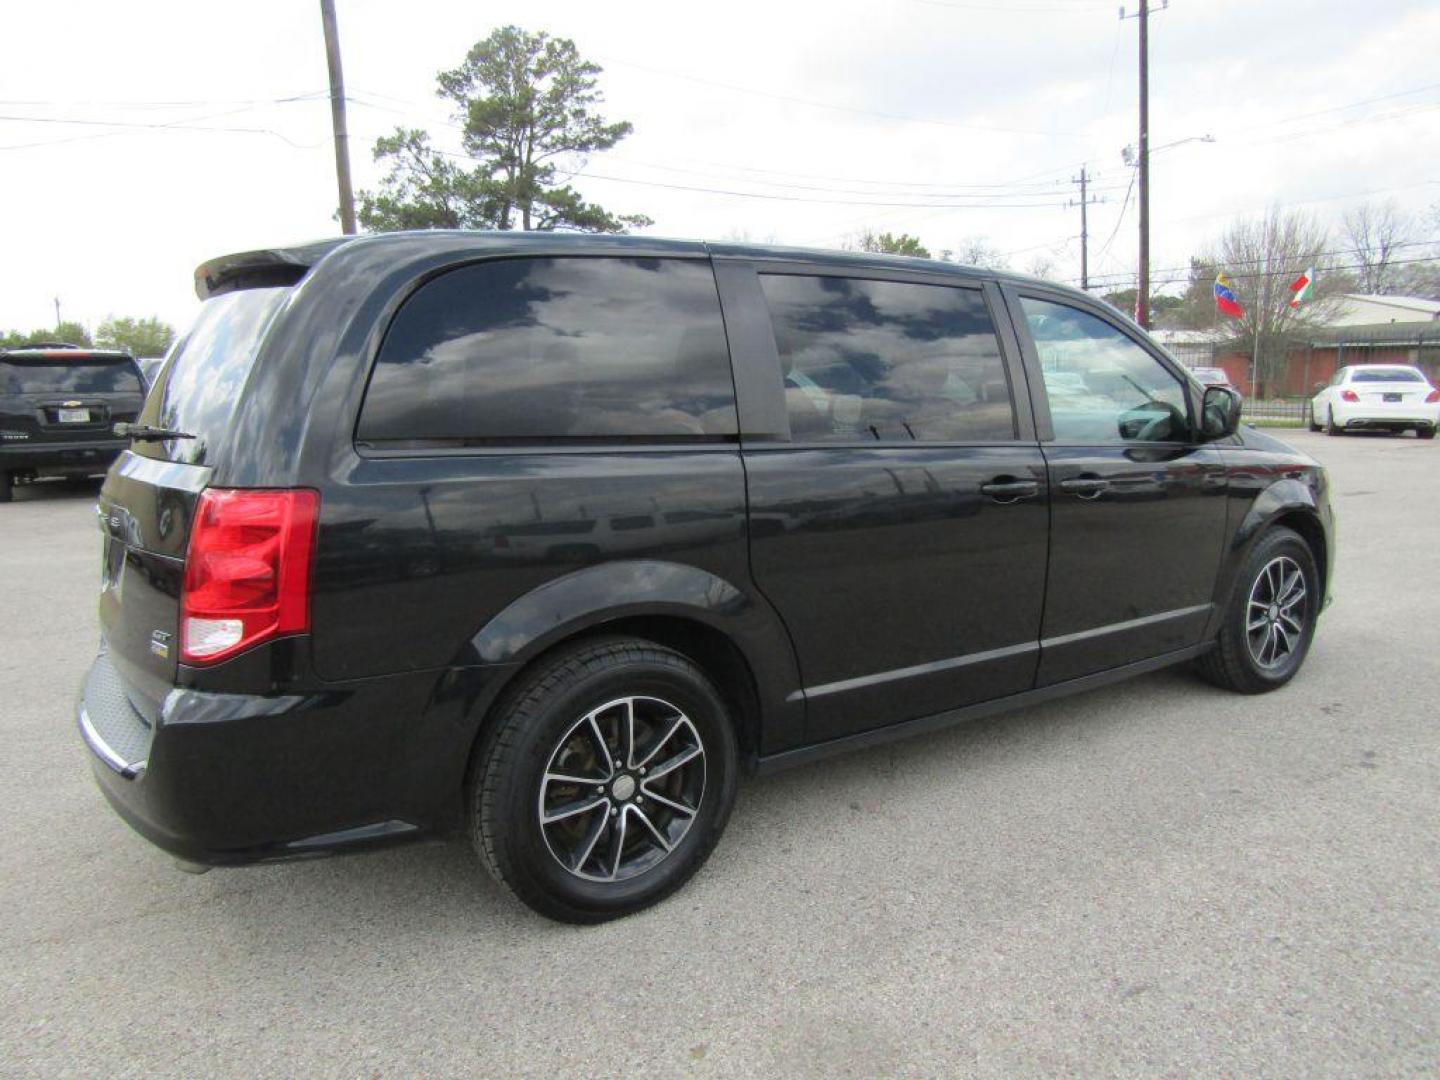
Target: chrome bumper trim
x,y
128,769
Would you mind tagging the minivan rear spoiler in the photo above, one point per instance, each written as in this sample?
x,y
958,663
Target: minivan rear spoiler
x,y
258,269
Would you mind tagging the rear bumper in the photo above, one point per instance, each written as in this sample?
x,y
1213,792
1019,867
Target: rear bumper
x,y
1378,414
228,779
71,458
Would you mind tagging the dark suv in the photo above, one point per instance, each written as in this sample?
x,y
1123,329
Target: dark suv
x,y
58,408
548,537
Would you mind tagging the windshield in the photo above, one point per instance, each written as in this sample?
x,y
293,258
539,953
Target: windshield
x,y
1392,374
23,375
200,385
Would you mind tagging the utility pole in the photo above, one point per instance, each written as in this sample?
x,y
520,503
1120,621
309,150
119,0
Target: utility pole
x,y
1083,179
1142,293
337,117
57,313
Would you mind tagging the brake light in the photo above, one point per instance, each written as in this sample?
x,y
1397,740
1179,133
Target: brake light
x,y
1432,397
1349,395
247,571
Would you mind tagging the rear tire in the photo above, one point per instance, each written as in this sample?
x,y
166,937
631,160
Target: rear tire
x,y
1425,433
1330,428
7,487
625,834
1270,618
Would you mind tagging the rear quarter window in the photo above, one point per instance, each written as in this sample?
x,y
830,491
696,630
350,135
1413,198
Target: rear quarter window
x,y
555,349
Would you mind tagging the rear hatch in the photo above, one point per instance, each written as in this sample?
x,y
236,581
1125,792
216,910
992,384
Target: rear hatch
x,y
148,502
1389,386
53,397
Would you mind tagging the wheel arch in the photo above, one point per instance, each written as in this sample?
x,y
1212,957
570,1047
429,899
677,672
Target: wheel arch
x,y
1289,503
729,632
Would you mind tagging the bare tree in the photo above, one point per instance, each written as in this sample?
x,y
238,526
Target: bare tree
x,y
1375,230
1263,256
1043,266
977,251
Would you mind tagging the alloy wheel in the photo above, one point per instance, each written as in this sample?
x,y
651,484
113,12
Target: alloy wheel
x,y
1276,612
622,788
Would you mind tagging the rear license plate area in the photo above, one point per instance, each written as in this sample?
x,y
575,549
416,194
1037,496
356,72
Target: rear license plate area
x,y
1394,397
72,416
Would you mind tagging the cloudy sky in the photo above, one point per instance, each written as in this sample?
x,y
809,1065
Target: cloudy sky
x,y
138,140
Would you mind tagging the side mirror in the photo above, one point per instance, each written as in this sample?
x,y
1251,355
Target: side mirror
x,y
1318,387
1220,412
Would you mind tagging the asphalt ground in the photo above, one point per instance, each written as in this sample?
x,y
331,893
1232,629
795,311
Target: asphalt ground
x,y
1154,879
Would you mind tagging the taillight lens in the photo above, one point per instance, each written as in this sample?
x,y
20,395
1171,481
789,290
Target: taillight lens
x,y
247,572
1432,397
1349,395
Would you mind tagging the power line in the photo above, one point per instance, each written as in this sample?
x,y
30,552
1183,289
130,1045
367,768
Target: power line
x,y
835,107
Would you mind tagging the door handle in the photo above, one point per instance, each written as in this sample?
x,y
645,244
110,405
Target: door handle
x,y
1009,491
1085,487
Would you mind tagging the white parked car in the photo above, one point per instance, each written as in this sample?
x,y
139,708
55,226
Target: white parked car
x,y
1388,397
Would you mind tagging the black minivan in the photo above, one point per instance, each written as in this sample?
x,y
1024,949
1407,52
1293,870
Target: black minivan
x,y
548,537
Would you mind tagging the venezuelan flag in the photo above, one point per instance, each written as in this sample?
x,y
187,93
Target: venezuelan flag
x,y
1225,297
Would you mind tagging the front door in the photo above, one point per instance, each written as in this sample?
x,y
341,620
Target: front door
x,y
1137,502
899,522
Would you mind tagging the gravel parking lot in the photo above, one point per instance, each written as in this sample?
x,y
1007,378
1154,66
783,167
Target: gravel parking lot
x,y
1156,879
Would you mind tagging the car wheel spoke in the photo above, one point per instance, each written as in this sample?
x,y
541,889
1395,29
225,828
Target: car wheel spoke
x,y
671,764
665,800
572,809
613,816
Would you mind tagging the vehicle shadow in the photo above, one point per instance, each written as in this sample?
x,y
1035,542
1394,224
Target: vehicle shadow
x,y
442,886
58,489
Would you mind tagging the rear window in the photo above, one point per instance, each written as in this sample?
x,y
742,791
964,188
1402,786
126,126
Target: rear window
x,y
209,365
24,375
555,349
1397,374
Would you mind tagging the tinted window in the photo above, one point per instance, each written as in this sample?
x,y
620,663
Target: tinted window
x,y
208,368
1102,386
1386,375
885,360
591,348
44,376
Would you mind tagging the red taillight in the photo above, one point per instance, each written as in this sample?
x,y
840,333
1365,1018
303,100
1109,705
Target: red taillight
x,y
1432,397
247,572
1349,395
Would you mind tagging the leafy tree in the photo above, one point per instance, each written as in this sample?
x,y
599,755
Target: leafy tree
x,y
890,244
1163,308
69,333
138,337
524,101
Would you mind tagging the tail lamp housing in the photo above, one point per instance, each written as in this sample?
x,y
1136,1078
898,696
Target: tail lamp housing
x,y
1349,395
1433,397
247,571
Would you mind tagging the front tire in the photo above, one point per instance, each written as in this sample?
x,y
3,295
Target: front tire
x,y
605,781
1270,618
1425,433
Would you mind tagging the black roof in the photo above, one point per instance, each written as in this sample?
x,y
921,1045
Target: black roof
x,y
287,265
